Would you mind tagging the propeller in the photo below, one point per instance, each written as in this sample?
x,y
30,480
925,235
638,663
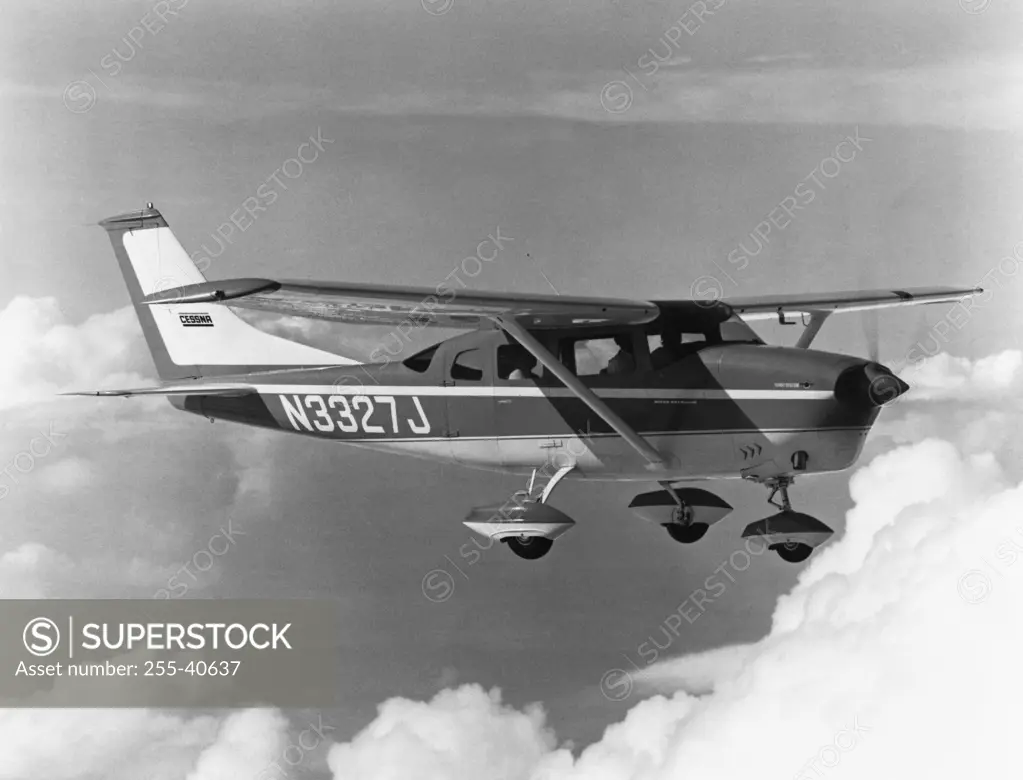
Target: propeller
x,y
872,334
870,325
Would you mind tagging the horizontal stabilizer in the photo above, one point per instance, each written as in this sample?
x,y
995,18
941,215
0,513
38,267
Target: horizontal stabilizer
x,y
174,390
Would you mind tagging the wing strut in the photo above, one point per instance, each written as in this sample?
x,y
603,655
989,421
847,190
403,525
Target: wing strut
x,y
817,319
510,326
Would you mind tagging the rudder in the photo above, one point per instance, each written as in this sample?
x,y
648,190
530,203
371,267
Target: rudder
x,y
193,340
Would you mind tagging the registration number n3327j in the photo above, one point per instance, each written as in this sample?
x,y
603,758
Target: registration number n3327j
x,y
355,414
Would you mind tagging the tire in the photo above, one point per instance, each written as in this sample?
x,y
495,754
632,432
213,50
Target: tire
x,y
687,534
530,547
793,552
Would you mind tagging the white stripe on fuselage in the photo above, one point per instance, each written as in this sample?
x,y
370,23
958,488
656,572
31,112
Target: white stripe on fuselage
x,y
542,392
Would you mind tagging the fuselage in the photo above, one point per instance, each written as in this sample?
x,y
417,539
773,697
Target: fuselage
x,y
722,410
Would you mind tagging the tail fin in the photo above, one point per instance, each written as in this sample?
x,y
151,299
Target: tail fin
x,y
193,340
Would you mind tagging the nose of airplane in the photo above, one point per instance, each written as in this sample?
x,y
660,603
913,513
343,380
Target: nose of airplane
x,y
868,384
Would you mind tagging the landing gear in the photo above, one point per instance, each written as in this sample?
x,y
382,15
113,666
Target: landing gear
x,y
529,547
780,485
682,527
792,535
526,523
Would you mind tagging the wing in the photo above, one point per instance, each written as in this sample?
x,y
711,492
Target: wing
x,y
445,306
765,306
448,306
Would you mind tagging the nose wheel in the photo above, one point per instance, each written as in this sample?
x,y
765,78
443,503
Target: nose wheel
x,y
784,531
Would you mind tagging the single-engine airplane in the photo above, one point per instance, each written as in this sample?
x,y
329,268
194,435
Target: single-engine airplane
x,y
556,386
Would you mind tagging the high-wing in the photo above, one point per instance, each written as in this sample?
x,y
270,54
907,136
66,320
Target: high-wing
x,y
448,306
762,306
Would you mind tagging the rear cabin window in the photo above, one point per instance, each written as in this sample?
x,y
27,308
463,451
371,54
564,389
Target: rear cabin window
x,y
420,362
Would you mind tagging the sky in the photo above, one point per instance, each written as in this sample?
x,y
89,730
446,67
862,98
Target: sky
x,y
626,152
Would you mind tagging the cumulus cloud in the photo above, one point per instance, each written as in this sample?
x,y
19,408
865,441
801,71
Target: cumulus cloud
x,y
96,743
67,475
697,673
70,526
45,355
124,744
248,743
465,732
79,461
945,377
894,654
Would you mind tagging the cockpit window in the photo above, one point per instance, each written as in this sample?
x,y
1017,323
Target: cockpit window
x,y
607,356
672,344
734,329
420,362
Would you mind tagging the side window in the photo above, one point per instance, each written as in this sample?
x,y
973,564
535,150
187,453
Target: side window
x,y
468,365
610,356
672,345
420,362
515,362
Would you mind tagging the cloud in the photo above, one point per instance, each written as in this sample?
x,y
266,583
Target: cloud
x,y
115,744
45,355
82,463
124,744
899,637
465,732
774,59
98,499
66,475
698,673
249,743
968,95
944,377
961,92
24,570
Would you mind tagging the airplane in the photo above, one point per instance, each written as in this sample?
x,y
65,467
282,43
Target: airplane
x,y
550,386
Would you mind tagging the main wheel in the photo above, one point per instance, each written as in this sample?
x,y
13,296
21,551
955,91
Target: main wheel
x,y
687,534
793,552
530,547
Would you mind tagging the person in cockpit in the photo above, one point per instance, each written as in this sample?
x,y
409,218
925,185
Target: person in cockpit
x,y
670,349
624,362
523,364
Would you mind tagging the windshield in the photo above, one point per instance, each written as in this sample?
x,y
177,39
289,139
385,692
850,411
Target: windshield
x,y
734,329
